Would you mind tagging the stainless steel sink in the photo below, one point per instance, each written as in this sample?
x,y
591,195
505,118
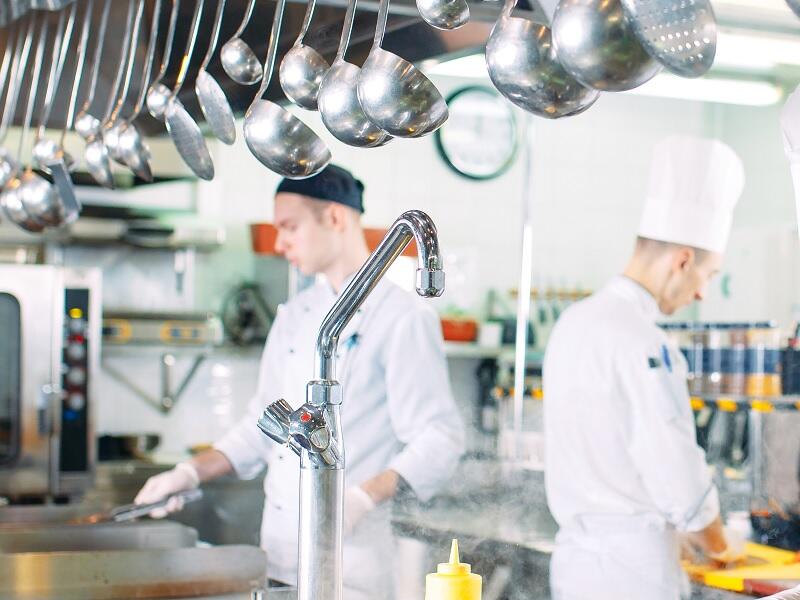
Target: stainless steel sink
x,y
152,535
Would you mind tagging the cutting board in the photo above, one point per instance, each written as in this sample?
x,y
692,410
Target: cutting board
x,y
765,571
757,555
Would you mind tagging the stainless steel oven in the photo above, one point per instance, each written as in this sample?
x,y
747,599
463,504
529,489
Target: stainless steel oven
x,y
50,330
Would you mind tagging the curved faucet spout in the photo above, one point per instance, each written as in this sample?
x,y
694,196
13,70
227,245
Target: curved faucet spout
x,y
413,224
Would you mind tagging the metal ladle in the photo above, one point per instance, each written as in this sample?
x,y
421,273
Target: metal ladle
x,y
523,66
303,68
44,148
86,125
596,44
213,102
111,128
278,139
795,6
183,130
123,138
158,95
96,153
338,102
41,204
394,94
444,14
11,198
8,164
238,59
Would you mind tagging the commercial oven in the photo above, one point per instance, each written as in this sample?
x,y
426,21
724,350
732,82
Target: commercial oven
x,y
50,331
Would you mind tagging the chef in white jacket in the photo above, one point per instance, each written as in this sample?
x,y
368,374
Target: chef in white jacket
x,y
400,423
624,473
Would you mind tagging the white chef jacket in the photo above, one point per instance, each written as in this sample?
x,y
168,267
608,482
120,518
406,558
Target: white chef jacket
x,y
623,469
398,412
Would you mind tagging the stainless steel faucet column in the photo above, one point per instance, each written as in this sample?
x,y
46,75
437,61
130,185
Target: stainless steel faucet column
x,y
314,430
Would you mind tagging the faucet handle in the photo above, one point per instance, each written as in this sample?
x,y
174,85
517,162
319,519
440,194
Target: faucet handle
x,y
274,421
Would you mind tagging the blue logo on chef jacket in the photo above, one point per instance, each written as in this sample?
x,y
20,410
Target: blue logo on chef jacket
x,y
664,360
348,344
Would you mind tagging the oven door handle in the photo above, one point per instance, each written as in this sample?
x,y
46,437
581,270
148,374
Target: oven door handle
x,y
48,395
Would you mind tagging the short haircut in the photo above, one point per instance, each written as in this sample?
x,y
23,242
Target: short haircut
x,y
652,247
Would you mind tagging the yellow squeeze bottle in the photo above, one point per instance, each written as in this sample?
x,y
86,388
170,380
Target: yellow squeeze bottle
x,y
453,580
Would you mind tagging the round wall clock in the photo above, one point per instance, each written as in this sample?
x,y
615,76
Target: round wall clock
x,y
479,140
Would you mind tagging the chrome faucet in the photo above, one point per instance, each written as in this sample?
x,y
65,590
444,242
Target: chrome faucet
x,y
314,431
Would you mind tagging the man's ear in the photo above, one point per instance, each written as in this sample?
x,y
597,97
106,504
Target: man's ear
x,y
336,216
683,259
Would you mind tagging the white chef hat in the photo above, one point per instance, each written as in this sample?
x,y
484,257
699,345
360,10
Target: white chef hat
x,y
694,186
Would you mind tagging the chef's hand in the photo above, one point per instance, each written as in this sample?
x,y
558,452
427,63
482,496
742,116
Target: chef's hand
x,y
734,551
357,504
183,477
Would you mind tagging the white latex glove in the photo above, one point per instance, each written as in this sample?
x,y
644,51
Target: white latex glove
x,y
183,477
357,503
735,550
790,126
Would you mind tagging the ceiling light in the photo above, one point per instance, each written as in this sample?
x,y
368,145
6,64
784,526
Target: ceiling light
x,y
712,89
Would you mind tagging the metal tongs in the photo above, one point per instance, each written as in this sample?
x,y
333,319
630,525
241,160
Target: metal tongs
x,y
129,512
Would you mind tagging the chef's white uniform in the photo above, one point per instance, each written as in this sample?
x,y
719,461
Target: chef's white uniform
x,y
398,412
623,469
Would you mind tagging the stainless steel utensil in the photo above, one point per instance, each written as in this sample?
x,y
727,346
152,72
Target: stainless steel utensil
x,y
44,148
795,6
394,94
129,512
129,145
85,124
523,66
303,68
213,102
48,208
444,14
682,36
339,107
158,95
238,59
185,134
11,197
8,164
278,139
111,126
96,153
596,44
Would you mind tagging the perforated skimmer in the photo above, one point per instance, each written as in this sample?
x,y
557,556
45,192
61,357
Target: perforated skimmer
x,y
680,34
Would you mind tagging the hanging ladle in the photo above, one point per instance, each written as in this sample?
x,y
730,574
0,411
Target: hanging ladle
x,y
111,128
213,102
444,14
44,149
303,68
185,134
8,164
238,59
278,139
158,95
96,153
87,125
48,208
339,107
394,94
11,198
523,66
123,139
